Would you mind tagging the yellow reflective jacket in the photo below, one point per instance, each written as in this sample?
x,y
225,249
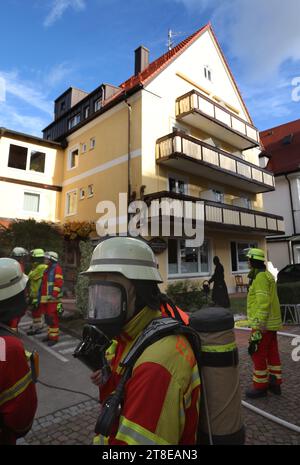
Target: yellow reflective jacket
x,y
35,280
263,307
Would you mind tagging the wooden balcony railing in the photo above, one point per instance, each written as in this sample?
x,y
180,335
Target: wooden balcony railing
x,y
195,102
199,155
226,216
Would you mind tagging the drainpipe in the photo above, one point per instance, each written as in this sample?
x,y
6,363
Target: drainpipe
x,y
293,218
129,156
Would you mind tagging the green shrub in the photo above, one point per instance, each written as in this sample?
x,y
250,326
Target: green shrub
x,y
188,295
81,286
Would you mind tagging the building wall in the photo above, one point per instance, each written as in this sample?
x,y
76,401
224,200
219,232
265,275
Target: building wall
x,y
105,166
278,254
279,203
13,207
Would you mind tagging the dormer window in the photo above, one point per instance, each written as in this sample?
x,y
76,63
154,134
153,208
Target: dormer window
x,y
207,73
97,104
74,121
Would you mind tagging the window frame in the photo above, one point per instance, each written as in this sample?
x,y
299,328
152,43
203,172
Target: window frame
x,y
180,274
90,195
177,178
26,163
29,161
66,202
75,117
70,151
37,194
248,245
81,191
92,146
96,106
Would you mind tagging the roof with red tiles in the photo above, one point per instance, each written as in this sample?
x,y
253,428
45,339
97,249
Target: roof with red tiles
x,y
282,144
162,62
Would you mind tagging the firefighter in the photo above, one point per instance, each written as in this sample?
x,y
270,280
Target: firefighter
x,y
263,311
35,280
51,294
161,398
18,400
20,255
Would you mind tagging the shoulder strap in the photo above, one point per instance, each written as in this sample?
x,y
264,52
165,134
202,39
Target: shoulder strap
x,y
6,331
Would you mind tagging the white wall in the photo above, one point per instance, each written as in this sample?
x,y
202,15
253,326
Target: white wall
x,y
12,194
278,202
278,254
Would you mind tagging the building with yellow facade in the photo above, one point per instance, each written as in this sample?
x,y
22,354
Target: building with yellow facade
x,y
177,129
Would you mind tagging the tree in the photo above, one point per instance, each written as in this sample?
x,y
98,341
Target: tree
x,y
30,234
81,287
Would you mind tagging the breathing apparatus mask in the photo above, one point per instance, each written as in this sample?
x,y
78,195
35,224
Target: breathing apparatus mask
x,y
111,303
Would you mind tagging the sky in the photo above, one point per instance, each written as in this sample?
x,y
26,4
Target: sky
x,y
50,45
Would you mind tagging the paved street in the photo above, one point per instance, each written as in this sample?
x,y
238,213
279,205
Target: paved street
x,y
68,418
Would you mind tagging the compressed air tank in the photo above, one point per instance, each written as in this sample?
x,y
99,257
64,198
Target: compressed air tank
x,y
219,377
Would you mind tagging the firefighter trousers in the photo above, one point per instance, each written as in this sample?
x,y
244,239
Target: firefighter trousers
x,y
51,318
266,361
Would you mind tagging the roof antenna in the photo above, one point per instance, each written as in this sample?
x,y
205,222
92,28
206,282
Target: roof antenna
x,y
171,35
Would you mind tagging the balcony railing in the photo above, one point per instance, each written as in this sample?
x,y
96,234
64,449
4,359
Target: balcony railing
x,y
224,216
202,112
188,154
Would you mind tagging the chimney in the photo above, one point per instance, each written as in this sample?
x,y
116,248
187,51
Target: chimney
x,y
141,59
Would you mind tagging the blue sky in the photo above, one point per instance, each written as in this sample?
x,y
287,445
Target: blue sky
x,y
49,45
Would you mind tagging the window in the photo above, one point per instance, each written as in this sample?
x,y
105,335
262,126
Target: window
x,y
31,202
71,203
74,121
177,185
92,143
62,105
184,260
81,193
17,157
207,73
83,148
37,161
90,191
73,158
97,104
218,196
239,260
86,112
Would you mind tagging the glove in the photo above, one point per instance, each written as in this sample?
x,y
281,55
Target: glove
x,y
60,309
254,341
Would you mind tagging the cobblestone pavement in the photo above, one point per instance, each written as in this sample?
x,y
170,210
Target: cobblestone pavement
x,y
75,425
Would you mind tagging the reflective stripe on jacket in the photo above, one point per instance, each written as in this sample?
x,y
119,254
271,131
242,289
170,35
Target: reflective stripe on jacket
x,y
161,398
52,282
35,280
18,400
263,307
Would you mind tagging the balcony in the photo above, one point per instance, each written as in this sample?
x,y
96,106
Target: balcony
x,y
185,153
203,113
223,217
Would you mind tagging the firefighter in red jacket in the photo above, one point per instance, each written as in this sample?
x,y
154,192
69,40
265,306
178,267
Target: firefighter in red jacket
x,y
161,399
20,255
18,400
50,298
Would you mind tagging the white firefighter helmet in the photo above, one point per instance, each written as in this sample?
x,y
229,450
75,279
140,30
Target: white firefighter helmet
x,y
19,252
12,279
51,256
131,257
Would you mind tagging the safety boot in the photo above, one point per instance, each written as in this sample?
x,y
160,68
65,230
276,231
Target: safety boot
x,y
253,393
273,387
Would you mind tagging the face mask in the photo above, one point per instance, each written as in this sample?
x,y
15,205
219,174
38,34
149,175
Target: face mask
x,y
111,303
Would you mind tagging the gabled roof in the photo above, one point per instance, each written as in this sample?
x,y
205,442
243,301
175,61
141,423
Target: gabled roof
x,y
154,68
282,144
160,63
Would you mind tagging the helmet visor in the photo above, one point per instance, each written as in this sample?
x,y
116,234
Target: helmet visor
x,y
106,301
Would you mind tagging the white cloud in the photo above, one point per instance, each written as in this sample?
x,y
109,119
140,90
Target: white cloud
x,y
59,7
261,34
11,118
26,91
58,73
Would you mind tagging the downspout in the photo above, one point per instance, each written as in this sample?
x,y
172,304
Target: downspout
x,y
291,250
129,157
